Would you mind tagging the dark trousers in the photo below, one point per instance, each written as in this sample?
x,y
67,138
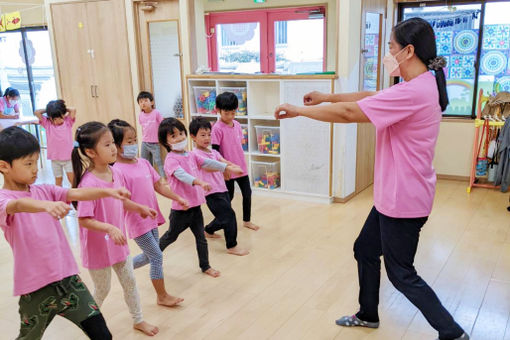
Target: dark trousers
x,y
397,240
181,220
224,217
245,186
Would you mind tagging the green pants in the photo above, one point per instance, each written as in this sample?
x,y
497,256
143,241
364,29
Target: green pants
x,y
69,298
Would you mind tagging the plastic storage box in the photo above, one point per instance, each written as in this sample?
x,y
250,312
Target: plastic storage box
x,y
205,99
242,96
266,174
244,141
268,139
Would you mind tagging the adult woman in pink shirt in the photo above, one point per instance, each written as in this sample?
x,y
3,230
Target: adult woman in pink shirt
x,y
407,118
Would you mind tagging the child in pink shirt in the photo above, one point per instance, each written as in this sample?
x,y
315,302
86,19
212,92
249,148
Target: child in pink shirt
x,y
58,123
143,182
226,138
150,118
102,233
182,172
218,199
45,272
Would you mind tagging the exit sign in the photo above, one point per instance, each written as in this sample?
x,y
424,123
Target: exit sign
x,y
259,1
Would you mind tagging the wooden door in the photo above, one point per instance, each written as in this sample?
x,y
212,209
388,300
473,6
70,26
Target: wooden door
x,y
373,16
160,56
70,32
110,54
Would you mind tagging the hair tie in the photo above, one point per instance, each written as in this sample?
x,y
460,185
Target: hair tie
x,y
437,63
76,144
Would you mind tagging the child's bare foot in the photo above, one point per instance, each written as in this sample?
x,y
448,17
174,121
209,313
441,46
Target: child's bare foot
x,y
169,300
251,226
207,235
146,328
212,272
238,251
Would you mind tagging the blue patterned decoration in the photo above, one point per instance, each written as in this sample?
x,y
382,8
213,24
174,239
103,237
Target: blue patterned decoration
x,y
466,41
496,37
444,42
493,62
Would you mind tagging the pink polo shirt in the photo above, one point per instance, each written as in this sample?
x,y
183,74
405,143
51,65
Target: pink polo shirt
x,y
97,249
215,179
407,118
140,178
189,162
59,138
229,139
39,245
150,124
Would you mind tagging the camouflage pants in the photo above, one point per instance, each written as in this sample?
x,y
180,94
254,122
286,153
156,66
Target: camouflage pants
x,y
69,298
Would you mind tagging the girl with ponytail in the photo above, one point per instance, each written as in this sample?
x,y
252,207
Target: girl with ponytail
x,y
102,222
406,117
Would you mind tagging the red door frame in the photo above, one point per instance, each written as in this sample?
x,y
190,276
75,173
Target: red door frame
x,y
266,19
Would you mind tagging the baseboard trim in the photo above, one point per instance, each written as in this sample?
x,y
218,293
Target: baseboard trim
x,y
344,199
454,178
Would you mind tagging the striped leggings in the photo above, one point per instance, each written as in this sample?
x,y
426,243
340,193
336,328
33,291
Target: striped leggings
x,y
149,243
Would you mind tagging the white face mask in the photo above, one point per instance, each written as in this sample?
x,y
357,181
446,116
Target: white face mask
x,y
181,146
13,102
391,64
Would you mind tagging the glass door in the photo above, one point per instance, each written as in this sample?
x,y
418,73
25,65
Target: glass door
x,y
371,52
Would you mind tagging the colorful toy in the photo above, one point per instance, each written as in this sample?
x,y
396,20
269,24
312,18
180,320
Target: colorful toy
x,y
205,98
244,141
242,96
269,143
270,180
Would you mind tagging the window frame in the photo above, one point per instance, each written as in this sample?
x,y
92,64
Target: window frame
x,y
403,6
266,18
30,76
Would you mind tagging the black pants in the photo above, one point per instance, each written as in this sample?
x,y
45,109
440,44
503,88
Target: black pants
x,y
181,220
224,217
245,186
397,240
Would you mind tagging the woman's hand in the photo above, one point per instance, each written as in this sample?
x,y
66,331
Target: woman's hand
x,y
117,236
57,209
286,111
314,98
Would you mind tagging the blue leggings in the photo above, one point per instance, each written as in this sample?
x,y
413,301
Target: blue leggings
x,y
149,243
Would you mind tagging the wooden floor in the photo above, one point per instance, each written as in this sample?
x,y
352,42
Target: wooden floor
x,y
301,275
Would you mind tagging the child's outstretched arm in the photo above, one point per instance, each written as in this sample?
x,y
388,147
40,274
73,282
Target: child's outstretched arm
x,y
29,205
185,177
113,232
213,165
143,210
164,189
91,194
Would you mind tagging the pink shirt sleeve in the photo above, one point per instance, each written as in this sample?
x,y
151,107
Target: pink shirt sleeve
x,y
58,194
154,174
170,166
45,122
16,107
159,117
86,208
389,106
3,210
70,121
199,160
2,104
216,135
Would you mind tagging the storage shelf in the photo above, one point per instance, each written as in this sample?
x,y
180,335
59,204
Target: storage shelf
x,y
261,117
279,189
256,153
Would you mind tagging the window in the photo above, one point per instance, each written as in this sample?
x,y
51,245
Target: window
x,y
26,64
474,37
278,40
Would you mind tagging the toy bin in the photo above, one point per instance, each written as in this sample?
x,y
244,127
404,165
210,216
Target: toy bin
x,y
268,139
205,99
244,141
266,174
242,96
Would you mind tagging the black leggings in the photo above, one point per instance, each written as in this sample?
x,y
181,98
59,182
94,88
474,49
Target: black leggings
x,y
245,186
224,217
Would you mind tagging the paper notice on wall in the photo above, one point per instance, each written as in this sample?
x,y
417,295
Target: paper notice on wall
x,y
2,23
12,21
